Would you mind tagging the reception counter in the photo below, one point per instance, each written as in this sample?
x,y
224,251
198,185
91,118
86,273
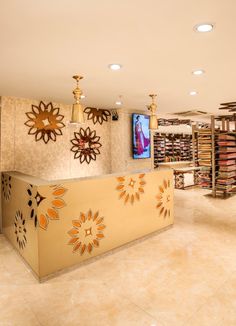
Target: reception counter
x,y
58,224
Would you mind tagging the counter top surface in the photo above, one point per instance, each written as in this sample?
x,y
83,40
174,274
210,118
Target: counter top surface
x,y
40,182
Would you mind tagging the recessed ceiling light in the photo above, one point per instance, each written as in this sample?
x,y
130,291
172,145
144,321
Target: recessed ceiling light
x,y
118,103
193,93
203,28
198,72
82,96
115,66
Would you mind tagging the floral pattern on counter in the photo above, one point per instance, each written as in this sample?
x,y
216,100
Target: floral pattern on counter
x,y
86,145
131,188
45,122
20,229
34,201
51,206
164,199
97,115
6,186
87,232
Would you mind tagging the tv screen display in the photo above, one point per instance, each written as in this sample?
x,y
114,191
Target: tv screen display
x,y
141,136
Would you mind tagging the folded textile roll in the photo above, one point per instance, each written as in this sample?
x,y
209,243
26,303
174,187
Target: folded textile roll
x,y
229,162
226,137
227,168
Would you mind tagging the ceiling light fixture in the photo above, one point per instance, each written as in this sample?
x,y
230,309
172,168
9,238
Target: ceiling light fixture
x,y
153,123
192,93
119,101
82,96
115,66
198,72
77,110
204,28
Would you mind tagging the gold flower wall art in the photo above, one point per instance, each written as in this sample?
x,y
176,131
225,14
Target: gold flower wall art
x,y
86,145
131,188
45,122
97,115
164,199
87,232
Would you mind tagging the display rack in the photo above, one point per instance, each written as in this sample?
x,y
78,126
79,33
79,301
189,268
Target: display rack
x,y
204,156
172,148
217,156
224,171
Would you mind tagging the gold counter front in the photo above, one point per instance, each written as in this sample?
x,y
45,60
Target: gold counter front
x,y
59,225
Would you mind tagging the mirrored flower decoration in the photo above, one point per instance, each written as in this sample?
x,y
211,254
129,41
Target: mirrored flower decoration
x,y
87,232
20,229
164,199
131,188
97,115
6,186
45,122
86,145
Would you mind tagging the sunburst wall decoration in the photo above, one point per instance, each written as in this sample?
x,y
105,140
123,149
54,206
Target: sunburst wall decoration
x,y
45,122
97,115
20,229
87,232
131,188
6,186
86,145
164,199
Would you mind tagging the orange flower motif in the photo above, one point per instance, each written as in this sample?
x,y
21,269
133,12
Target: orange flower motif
x,y
131,188
56,203
86,232
164,199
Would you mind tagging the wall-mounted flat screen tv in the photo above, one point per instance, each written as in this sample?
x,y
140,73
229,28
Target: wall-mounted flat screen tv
x,y
141,136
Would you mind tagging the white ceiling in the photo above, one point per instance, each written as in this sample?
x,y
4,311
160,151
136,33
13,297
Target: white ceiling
x,y
43,43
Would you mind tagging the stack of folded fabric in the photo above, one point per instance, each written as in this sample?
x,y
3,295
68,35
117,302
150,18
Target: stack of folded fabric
x,y
225,174
204,157
226,162
227,168
226,158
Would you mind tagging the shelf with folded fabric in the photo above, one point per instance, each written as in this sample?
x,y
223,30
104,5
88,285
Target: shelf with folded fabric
x,y
171,148
204,155
225,157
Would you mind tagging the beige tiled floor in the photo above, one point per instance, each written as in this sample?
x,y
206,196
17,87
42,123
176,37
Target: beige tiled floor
x,y
184,276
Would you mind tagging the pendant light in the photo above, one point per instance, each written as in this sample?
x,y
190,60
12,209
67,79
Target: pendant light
x,y
153,123
77,110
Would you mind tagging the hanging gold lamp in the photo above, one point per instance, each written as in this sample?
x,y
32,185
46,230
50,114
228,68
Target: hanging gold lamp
x,y
153,123
77,110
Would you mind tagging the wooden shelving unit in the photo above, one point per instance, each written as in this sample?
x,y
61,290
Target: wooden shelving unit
x,y
172,148
217,157
202,144
224,170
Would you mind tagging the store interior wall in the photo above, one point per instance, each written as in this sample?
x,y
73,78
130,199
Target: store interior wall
x,y
54,160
